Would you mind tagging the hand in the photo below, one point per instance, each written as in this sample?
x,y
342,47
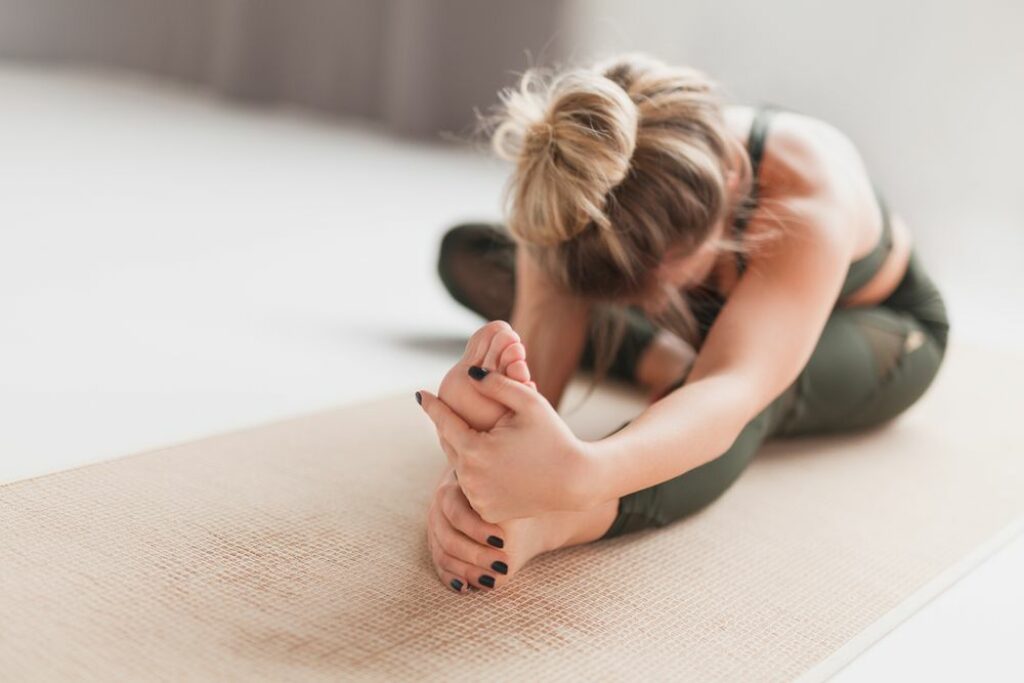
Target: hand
x,y
464,548
528,464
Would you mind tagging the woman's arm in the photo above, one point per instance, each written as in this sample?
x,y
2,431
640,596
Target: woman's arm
x,y
552,325
761,340
531,462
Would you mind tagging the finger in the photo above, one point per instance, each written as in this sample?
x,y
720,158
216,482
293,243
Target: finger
x,y
474,576
455,583
486,559
506,391
450,574
460,515
449,453
501,341
450,426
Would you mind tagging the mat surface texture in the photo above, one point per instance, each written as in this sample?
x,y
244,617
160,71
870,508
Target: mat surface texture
x,y
297,551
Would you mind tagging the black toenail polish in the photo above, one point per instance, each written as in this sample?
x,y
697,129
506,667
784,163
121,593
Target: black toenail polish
x,y
499,567
487,580
457,585
419,398
477,372
496,542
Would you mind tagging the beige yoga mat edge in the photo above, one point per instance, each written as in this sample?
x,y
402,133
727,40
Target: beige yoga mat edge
x,y
870,636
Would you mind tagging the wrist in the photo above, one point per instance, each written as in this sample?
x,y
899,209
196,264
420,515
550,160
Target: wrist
x,y
593,481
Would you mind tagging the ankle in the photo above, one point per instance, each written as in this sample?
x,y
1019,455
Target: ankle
x,y
576,528
663,362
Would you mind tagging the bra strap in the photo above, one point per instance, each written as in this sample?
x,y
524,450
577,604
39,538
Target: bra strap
x,y
755,150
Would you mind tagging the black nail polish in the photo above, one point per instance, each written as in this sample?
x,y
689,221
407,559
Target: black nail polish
x,y
477,372
487,580
457,585
496,542
419,398
499,567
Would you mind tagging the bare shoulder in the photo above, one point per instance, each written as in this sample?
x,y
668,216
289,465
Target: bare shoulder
x,y
811,173
811,159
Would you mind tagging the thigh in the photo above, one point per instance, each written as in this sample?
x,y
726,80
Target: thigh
x,y
870,364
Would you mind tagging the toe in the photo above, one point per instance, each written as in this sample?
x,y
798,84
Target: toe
x,y
519,371
480,342
499,342
511,354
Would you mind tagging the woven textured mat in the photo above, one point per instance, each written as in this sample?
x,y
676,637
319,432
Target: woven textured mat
x,y
296,551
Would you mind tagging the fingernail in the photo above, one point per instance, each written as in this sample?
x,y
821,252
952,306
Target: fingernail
x,y
457,585
496,542
477,372
499,567
419,398
487,580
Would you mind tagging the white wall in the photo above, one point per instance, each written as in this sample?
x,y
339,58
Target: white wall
x,y
933,93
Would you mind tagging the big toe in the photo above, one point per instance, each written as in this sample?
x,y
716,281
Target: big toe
x,y
480,343
502,341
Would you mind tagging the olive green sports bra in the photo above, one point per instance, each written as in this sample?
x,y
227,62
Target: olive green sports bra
x,y
707,304
863,269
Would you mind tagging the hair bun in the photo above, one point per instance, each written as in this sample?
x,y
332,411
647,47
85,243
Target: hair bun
x,y
572,137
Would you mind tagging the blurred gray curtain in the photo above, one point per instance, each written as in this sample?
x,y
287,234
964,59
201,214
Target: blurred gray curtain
x,y
418,66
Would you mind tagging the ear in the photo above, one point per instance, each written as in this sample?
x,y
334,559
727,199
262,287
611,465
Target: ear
x,y
732,181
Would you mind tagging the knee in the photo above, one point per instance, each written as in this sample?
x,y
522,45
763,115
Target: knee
x,y
454,243
911,378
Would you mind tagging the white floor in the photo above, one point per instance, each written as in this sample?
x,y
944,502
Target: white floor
x,y
173,266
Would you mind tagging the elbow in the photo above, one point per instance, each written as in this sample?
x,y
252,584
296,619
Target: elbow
x,y
742,406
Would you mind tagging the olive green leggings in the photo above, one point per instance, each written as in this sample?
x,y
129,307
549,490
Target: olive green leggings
x,y
870,364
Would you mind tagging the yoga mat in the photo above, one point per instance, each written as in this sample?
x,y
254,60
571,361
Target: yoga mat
x,y
297,551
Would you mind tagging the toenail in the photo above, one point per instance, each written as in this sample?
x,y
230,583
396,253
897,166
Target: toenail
x,y
487,580
419,398
457,585
496,542
499,567
477,372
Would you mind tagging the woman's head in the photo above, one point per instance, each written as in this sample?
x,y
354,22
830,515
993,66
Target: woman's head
x,y
623,170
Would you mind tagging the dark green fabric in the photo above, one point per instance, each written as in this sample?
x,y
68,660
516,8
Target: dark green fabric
x,y
476,264
862,373
863,269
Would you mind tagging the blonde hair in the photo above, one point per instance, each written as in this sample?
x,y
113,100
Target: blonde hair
x,y
615,164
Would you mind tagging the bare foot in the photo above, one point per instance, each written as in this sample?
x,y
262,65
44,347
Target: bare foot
x,y
495,346
466,549
469,552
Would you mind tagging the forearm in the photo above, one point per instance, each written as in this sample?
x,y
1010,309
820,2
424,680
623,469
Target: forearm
x,y
552,326
693,425
553,351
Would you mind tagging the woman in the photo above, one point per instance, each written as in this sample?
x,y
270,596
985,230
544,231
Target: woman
x,y
805,308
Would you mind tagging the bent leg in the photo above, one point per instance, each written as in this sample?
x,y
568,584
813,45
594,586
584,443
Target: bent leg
x,y
869,365
476,263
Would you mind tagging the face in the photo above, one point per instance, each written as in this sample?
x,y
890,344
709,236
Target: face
x,y
683,270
